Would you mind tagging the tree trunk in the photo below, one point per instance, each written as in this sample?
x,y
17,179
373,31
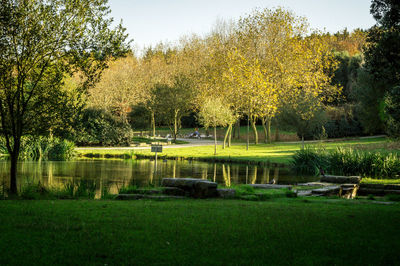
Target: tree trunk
x,y
230,137
14,154
302,142
267,130
13,173
215,140
175,125
276,132
253,126
248,132
236,132
228,130
153,124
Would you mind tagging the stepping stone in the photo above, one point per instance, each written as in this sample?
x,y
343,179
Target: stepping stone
x,y
144,196
304,193
315,184
174,191
341,179
197,188
327,191
226,193
270,186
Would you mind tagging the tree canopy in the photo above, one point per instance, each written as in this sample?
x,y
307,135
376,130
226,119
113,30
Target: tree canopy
x,y
40,43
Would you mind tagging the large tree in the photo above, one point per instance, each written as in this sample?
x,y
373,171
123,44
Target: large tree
x,y
40,42
382,54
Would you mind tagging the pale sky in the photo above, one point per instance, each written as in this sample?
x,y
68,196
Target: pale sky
x,y
150,21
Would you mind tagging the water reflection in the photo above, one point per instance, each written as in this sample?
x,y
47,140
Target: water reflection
x,y
111,175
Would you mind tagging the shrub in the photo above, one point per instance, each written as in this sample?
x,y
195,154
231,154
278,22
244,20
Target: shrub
x,y
98,127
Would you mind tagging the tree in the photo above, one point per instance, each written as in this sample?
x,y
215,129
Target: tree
x,y
40,42
382,54
392,108
213,113
171,103
119,88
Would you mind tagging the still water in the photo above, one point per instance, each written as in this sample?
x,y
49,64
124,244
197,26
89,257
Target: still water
x,y
114,174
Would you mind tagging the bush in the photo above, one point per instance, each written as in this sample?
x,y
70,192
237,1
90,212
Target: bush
x,y
99,127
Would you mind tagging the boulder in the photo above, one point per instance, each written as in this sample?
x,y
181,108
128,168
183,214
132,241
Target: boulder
x,y
197,188
173,191
341,179
226,193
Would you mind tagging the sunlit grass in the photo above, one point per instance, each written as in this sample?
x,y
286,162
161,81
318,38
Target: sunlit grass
x,y
261,153
199,232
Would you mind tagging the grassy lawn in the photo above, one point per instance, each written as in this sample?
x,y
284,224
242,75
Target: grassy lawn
x,y
199,232
274,153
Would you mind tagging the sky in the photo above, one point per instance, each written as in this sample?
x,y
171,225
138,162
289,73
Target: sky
x,y
149,22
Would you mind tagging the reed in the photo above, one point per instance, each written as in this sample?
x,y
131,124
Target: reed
x,y
347,161
47,148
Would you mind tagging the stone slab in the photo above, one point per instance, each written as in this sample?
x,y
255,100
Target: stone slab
x,y
270,186
341,179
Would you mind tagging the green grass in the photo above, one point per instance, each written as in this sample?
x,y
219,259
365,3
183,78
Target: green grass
x,y
199,232
380,181
278,152
273,153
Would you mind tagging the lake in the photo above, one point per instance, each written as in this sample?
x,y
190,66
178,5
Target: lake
x,y
114,174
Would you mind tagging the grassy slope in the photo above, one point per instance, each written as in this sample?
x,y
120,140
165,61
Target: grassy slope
x,y
275,153
199,232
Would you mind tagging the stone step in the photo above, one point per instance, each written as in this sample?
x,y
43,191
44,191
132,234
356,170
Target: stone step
x,y
327,191
377,192
226,193
197,188
304,193
341,179
270,186
381,186
145,196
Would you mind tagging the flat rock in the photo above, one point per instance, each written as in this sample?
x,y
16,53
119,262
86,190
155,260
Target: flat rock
x,y
197,188
226,193
381,186
304,193
270,186
377,192
327,191
148,191
341,179
315,184
145,196
173,191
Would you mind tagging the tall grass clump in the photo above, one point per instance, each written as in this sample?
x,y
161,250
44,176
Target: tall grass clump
x,y
347,161
84,189
48,148
308,161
